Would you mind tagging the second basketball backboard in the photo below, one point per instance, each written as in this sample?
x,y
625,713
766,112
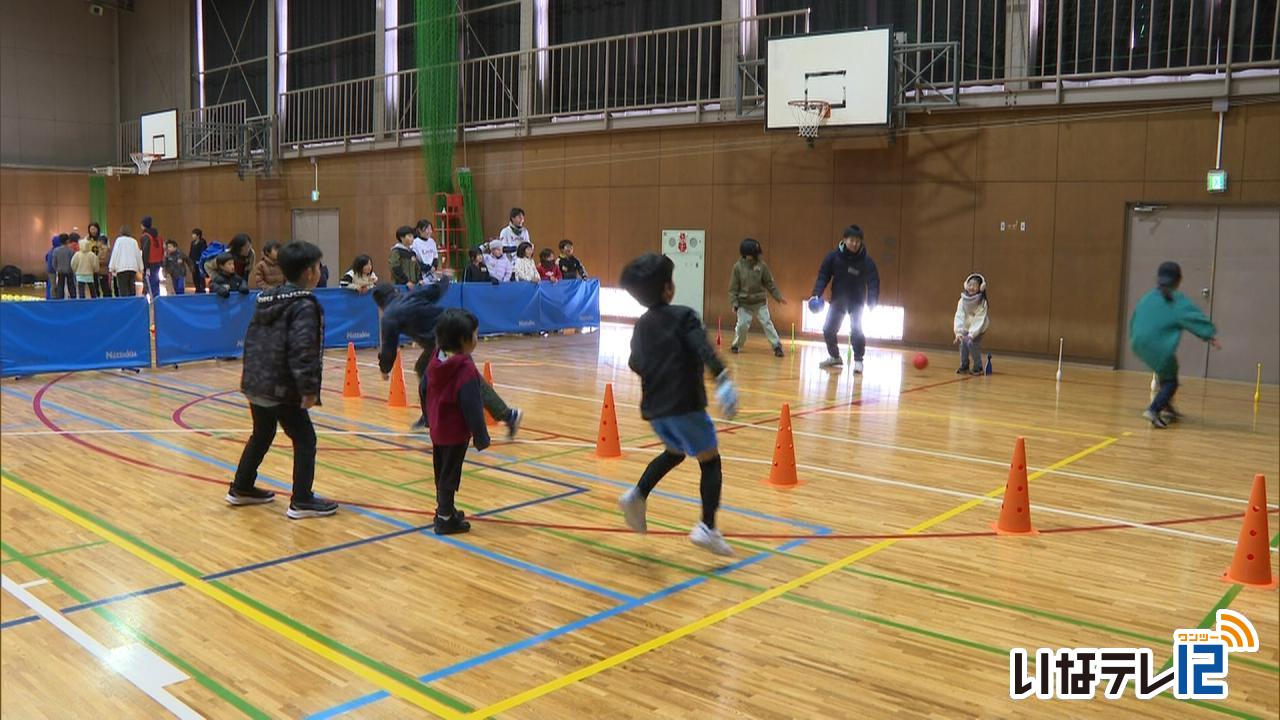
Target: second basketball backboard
x,y
160,134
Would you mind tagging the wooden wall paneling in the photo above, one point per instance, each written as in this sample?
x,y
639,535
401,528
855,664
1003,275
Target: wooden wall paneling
x,y
495,206
687,156
1102,149
1260,191
503,167
941,151
1022,152
634,159
1090,221
633,226
743,155
877,209
793,161
1017,263
1261,142
867,159
544,213
544,162
587,221
1183,146
587,160
937,238
799,237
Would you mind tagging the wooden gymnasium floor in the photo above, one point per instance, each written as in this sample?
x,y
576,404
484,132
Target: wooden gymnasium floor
x,y
113,519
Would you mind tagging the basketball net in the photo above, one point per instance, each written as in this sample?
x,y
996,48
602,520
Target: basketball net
x,y
143,161
809,115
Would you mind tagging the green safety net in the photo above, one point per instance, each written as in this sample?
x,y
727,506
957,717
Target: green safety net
x,y
470,208
436,51
98,202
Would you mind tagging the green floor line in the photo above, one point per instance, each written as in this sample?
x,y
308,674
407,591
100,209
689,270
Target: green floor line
x,y
297,625
129,630
55,551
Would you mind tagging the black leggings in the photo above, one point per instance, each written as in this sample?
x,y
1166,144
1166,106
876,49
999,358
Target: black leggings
x,y
447,460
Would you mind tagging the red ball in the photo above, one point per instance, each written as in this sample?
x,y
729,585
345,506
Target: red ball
x,y
921,361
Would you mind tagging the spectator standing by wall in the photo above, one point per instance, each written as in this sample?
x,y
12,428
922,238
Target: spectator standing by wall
x,y
126,263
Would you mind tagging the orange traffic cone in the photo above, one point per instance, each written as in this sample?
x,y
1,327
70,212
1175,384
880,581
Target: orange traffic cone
x,y
396,395
607,443
351,382
783,471
1015,511
488,378
1252,563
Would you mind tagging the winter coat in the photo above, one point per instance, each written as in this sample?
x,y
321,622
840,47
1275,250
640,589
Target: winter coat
x,y
854,279
414,315
284,347
670,352
571,268
125,255
971,316
266,274
454,408
353,281
1156,329
404,265
175,265
223,285
84,263
62,259
749,282
525,270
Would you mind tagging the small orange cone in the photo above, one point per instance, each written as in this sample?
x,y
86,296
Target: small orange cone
x,y
607,443
351,382
1252,563
1015,511
782,473
395,395
488,378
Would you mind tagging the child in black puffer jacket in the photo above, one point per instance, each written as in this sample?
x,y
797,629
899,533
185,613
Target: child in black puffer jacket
x,y
224,280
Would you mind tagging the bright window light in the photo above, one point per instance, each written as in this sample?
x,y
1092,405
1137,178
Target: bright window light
x,y
618,303
884,322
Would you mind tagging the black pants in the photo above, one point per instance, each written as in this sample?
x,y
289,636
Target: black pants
x,y
492,402
125,283
296,422
104,286
87,289
64,286
835,316
447,460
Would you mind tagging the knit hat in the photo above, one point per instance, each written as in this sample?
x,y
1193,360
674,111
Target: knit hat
x,y
146,221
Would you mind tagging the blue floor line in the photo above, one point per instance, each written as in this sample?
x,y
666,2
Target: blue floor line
x,y
271,563
467,547
543,637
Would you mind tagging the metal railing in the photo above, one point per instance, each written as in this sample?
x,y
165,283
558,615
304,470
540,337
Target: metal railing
x,y
207,133
1029,43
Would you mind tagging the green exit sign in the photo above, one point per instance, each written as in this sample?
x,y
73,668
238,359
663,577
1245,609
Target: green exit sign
x,y
1216,181
315,194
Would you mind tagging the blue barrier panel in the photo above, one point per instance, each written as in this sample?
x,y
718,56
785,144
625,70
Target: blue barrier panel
x,y
569,304
505,308
199,327
61,335
349,317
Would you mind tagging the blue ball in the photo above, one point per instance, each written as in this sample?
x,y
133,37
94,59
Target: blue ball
x,y
815,304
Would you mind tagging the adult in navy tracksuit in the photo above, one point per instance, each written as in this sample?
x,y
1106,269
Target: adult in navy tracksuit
x,y
855,284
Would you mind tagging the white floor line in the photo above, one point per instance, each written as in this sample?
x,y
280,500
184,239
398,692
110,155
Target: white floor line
x,y
34,583
137,664
937,490
176,431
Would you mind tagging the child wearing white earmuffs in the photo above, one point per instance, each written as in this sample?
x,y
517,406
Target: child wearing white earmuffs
x,y
971,323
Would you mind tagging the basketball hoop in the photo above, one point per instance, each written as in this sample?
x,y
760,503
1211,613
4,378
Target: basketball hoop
x,y
143,161
809,115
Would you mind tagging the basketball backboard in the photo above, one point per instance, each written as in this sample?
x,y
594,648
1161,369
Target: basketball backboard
x,y
847,70
160,134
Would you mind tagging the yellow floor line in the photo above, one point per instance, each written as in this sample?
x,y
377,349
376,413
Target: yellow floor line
x,y
1027,427
382,680
770,594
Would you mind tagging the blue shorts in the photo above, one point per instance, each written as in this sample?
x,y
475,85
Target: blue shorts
x,y
692,433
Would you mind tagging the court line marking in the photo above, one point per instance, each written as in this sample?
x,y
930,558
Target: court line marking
x,y
405,687
34,583
726,613
56,551
448,540
142,668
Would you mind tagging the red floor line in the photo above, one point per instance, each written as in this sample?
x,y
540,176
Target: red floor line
x,y
38,409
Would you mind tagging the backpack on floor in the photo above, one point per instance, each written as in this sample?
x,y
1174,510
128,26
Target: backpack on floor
x,y
10,276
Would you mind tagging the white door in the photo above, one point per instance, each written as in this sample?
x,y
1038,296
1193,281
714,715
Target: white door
x,y
320,227
688,251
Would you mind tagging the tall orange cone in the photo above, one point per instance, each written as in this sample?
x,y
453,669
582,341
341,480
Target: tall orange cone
x,y
1015,511
351,382
782,473
607,443
395,394
488,378
1252,563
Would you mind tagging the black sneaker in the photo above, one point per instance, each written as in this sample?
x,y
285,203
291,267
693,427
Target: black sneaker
x,y
962,369
453,526
513,423
315,507
734,349
252,496
777,351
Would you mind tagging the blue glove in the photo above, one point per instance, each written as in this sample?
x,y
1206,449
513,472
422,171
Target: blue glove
x,y
726,396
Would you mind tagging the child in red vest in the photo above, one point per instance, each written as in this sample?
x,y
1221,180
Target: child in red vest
x,y
455,412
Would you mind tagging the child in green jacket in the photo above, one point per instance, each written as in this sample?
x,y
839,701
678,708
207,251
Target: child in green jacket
x,y
748,284
1154,332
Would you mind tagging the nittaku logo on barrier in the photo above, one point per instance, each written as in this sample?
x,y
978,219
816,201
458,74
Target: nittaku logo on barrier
x,y
121,354
528,323
357,335
1198,670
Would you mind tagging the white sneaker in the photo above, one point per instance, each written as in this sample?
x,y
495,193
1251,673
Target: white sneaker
x,y
831,362
710,540
857,367
632,505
